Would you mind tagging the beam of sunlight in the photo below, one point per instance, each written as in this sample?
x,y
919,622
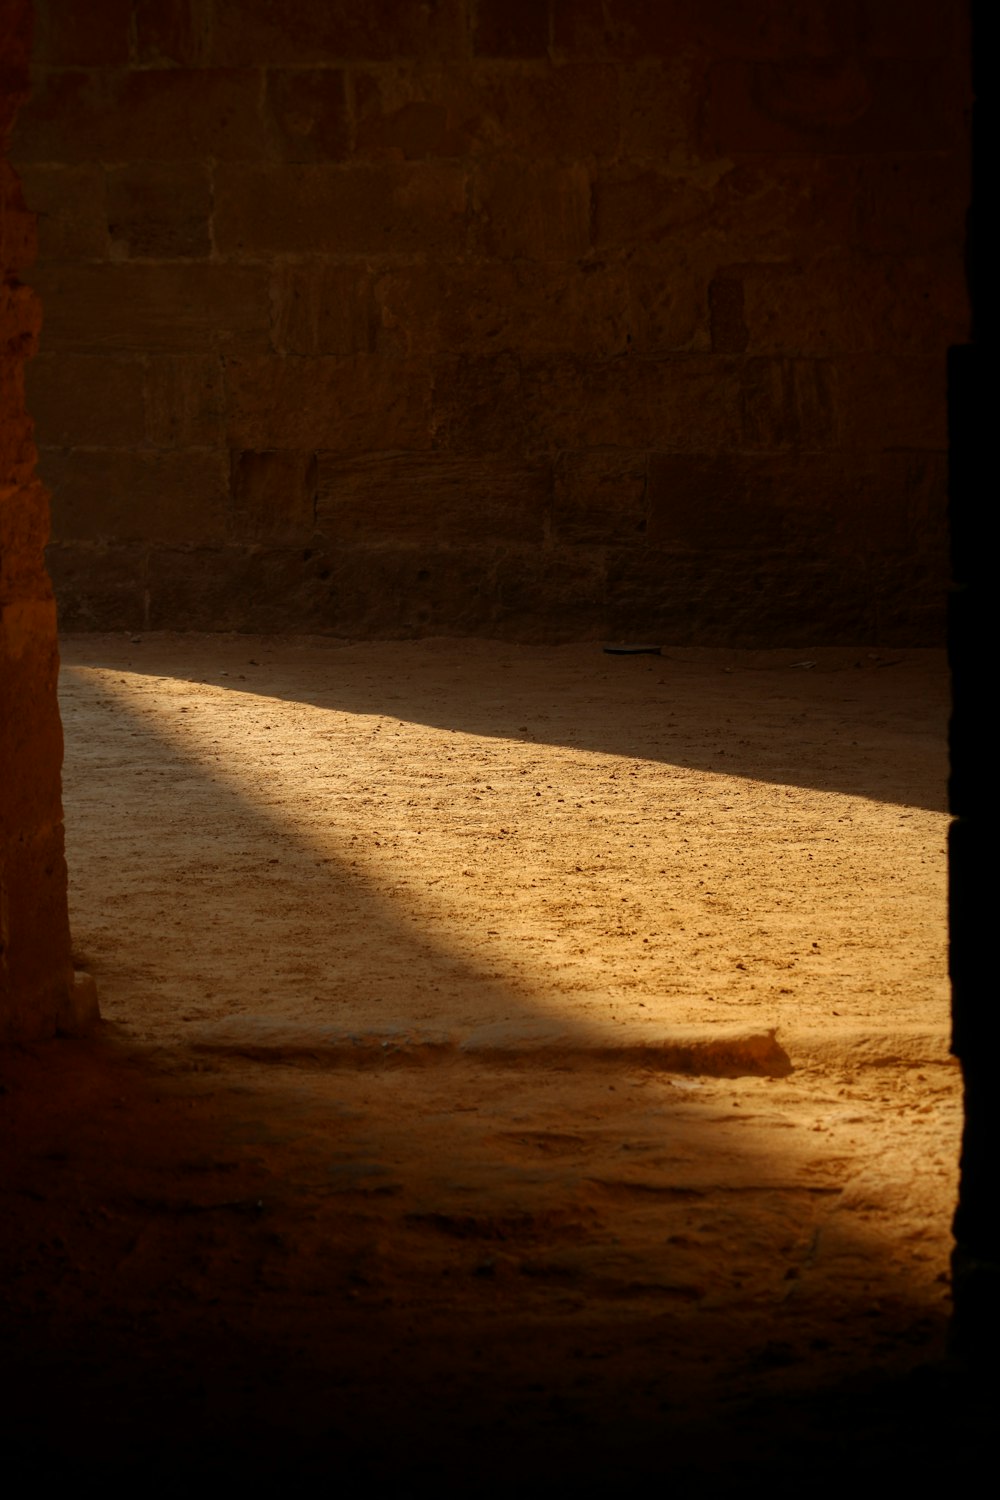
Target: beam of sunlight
x,y
605,891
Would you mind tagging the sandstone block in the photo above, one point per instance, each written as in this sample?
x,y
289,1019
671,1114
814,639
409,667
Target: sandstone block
x,y
20,320
619,28
600,497
30,733
808,28
551,594
574,109
400,592
184,401
17,451
789,403
370,592
782,207
413,111
260,33
547,405
274,497
910,599
151,308
688,403
912,205
88,36
407,115
131,495
24,530
72,211
433,498
727,311
510,28
891,401
660,101
172,33
341,404
307,114
852,305
534,210
487,305
148,114
99,587
836,105
159,211
321,308
755,599
635,208
89,399
38,965
362,209
18,228
668,302
916,29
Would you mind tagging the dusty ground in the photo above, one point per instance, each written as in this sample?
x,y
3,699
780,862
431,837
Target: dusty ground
x,y
517,1052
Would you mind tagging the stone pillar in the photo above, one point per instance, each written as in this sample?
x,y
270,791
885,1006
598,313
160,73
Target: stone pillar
x,y
36,973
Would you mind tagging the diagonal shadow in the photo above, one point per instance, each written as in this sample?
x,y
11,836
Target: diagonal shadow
x,y
840,720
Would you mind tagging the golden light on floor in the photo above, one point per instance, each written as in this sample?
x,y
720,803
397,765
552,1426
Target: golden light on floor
x,y
377,870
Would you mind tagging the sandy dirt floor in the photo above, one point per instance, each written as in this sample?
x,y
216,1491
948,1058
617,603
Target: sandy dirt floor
x,y
513,1051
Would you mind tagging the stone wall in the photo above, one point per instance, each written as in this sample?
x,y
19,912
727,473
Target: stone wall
x,y
35,968
532,318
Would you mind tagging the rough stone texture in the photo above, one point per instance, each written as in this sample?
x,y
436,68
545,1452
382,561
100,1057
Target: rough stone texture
x,y
36,974
637,309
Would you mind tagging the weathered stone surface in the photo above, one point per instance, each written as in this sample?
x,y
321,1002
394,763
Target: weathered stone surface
x,y
346,405
411,497
660,101
323,309
511,28
149,114
600,497
789,403
535,211
68,35
605,274
127,495
35,967
100,587
184,401
893,402
546,405
638,207
909,205
87,398
411,112
745,596
832,104
159,212
856,305
484,305
561,593
142,308
259,33
18,231
72,212
619,28
307,114
668,297
362,209
274,496
171,33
